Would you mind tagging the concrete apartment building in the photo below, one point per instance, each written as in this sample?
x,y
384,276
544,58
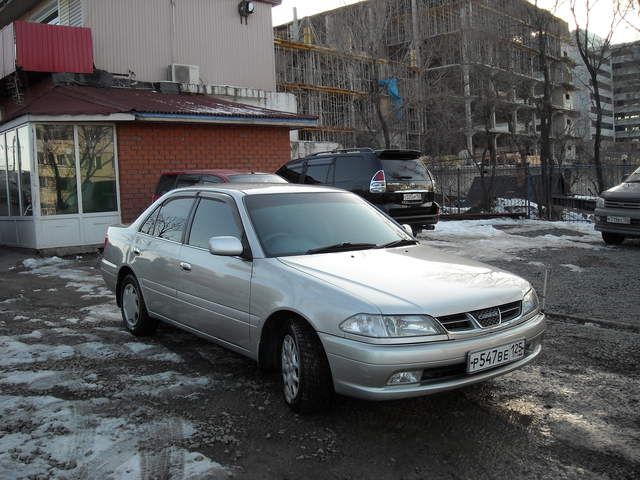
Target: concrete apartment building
x,y
625,60
474,63
584,100
97,97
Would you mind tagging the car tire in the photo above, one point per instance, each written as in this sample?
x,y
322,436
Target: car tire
x,y
306,377
612,238
135,317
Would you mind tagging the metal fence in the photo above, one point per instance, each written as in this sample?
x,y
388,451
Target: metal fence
x,y
465,192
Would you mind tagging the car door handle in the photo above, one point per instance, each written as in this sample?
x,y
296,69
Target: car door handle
x,y
136,251
185,266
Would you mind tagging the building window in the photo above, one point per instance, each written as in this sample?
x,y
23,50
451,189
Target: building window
x,y
13,177
56,169
48,14
24,155
15,173
58,146
4,204
97,168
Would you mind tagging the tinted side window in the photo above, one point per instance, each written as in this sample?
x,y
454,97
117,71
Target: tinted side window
x,y
319,171
213,218
188,180
172,219
147,226
292,171
210,179
354,172
166,183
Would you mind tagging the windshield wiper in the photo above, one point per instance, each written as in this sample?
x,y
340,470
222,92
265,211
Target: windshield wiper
x,y
341,247
398,243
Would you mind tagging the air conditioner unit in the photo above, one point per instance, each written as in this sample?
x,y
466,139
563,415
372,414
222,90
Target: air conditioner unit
x,y
184,73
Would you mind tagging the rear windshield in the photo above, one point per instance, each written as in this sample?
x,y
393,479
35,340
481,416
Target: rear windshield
x,y
404,170
257,178
166,183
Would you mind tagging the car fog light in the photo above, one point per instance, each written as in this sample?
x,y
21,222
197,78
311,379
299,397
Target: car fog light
x,y
401,378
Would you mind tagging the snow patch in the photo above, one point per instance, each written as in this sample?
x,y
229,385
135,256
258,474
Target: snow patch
x,y
573,268
479,239
72,439
46,380
15,352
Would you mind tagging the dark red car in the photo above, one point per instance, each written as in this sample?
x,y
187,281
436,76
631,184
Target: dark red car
x,y
186,178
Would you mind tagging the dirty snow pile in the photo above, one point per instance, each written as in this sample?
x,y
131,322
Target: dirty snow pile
x,y
72,407
500,238
89,283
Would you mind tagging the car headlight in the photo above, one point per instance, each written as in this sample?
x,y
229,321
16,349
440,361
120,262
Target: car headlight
x,y
391,326
600,202
530,302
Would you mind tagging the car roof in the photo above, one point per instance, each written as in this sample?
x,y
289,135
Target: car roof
x,y
215,171
258,188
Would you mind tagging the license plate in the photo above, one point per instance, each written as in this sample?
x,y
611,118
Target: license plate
x,y
412,197
626,220
492,357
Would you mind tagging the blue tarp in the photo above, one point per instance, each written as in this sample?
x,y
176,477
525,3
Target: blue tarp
x,y
391,84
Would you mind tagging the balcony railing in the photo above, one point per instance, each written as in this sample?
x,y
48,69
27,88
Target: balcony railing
x,y
36,47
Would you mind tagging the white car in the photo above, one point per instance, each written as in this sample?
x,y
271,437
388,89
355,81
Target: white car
x,y
321,285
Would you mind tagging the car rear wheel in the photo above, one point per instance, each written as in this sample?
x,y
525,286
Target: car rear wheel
x,y
135,317
306,377
612,238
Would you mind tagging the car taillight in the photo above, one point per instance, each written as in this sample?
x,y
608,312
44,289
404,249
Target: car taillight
x,y
378,183
106,241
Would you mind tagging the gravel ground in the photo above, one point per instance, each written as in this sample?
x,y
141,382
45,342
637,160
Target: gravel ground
x,y
81,398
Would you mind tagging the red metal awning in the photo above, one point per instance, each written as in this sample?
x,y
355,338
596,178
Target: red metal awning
x,y
53,48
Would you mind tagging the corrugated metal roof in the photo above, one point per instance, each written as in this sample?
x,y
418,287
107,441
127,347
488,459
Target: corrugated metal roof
x,y
147,105
53,48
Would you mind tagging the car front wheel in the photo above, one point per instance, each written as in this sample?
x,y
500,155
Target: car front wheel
x,y
135,317
612,238
306,377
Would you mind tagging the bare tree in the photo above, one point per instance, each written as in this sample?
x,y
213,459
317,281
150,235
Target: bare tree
x,y
595,52
629,12
549,62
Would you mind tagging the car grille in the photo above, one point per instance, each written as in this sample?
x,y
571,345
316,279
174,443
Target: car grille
x,y
487,317
628,204
457,322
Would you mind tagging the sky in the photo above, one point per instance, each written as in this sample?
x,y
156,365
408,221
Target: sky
x,y
600,17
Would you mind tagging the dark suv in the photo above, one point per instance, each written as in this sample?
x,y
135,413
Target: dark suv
x,y
395,181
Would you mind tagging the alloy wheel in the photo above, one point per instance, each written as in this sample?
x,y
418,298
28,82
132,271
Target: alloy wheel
x,y
131,305
290,368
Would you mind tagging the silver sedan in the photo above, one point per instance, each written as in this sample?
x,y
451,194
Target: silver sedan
x,y
317,283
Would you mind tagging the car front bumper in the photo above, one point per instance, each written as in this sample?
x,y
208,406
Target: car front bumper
x,y
362,370
631,229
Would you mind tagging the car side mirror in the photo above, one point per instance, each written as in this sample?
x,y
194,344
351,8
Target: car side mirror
x,y
226,246
407,228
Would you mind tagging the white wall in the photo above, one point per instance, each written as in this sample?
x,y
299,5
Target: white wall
x,y
146,36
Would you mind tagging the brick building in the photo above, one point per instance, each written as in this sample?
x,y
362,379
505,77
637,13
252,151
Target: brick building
x,y
98,97
81,158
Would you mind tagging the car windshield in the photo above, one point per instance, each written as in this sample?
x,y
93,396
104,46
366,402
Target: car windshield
x,y
634,177
303,223
257,178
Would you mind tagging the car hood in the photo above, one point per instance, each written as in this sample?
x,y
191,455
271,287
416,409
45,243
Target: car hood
x,y
624,191
416,279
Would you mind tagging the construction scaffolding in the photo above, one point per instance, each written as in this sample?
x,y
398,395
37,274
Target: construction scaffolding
x,y
447,61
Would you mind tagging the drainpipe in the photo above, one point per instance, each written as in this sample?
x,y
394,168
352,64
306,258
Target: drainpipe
x,y
173,30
